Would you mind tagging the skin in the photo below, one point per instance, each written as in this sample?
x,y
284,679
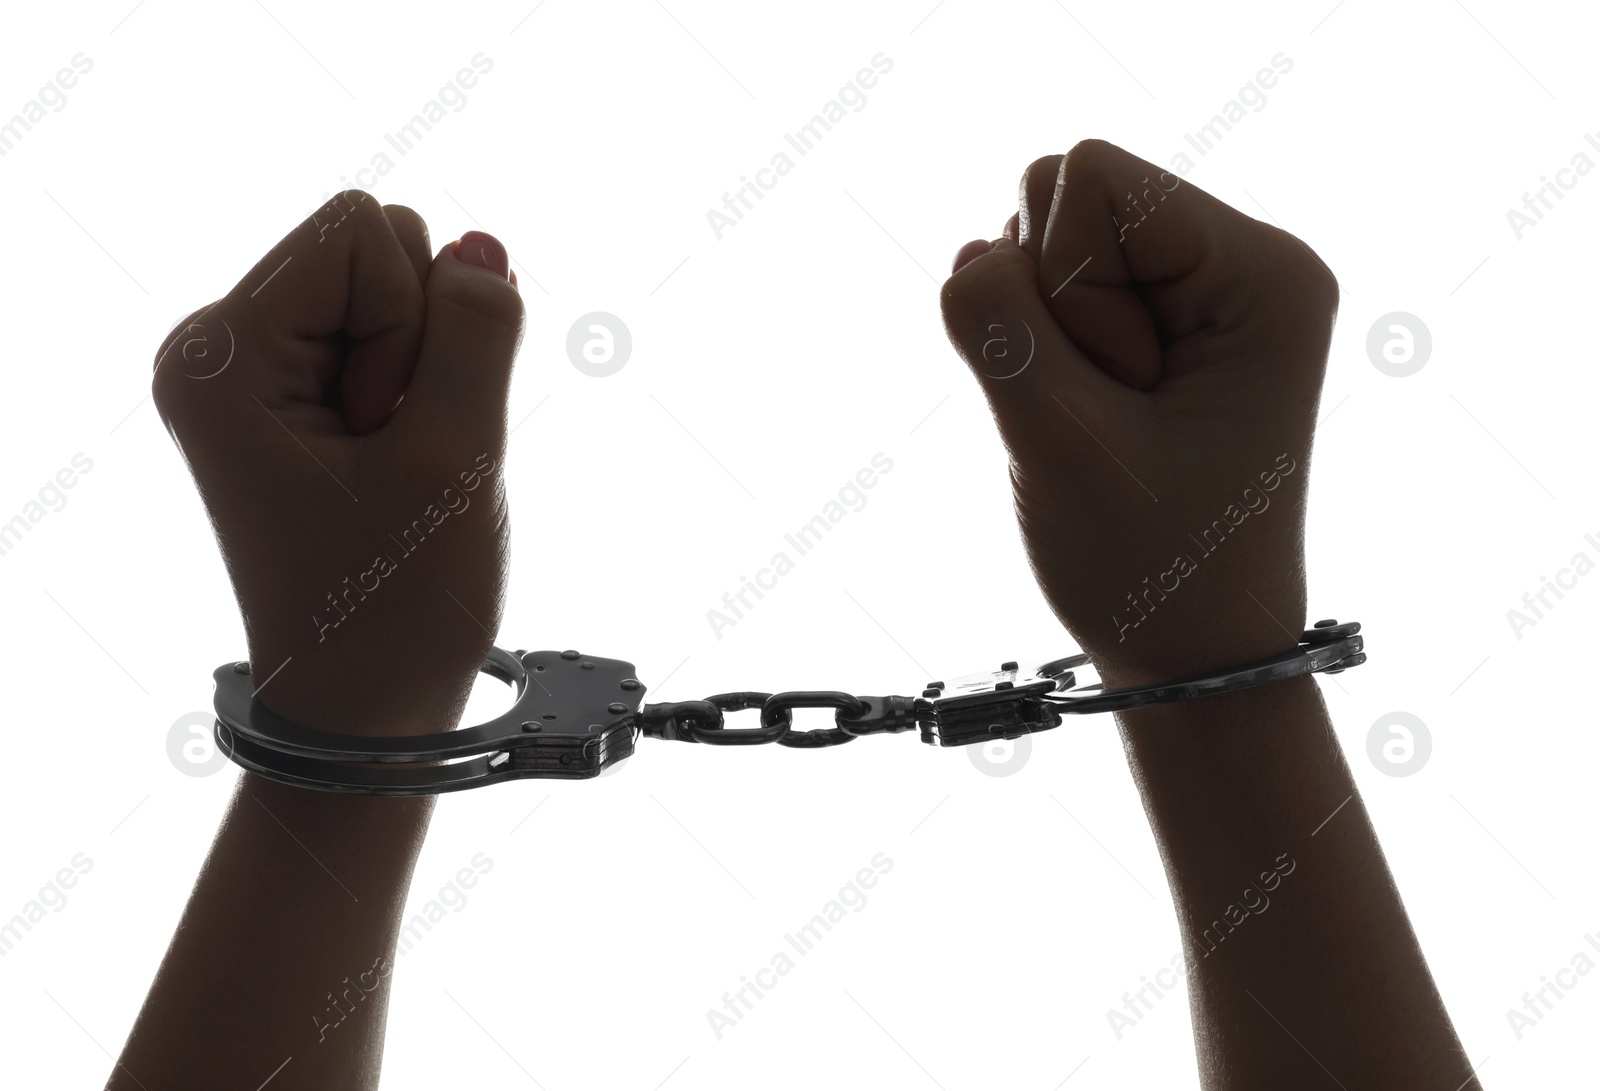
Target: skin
x,y
1178,354
307,458
1168,373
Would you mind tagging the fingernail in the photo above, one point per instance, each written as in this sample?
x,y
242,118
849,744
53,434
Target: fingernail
x,y
973,249
483,249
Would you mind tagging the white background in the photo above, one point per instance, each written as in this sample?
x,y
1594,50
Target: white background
x,y
768,368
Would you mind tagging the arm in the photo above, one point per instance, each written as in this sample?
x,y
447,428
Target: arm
x,y
1301,959
342,411
1159,429
283,961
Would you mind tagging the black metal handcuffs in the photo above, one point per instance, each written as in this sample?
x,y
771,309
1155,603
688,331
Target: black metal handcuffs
x,y
576,716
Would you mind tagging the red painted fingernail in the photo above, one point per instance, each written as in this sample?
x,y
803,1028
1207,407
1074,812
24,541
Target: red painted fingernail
x,y
483,249
973,249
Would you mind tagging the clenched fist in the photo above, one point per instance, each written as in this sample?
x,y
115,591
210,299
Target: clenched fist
x,y
343,412
1153,359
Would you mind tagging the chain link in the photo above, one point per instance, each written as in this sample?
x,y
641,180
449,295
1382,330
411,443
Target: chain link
x,y
998,705
706,722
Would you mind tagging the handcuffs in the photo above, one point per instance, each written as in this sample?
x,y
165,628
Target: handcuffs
x,y
576,716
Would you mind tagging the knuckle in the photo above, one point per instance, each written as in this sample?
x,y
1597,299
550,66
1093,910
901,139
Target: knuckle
x,y
1089,157
402,212
1045,168
1326,286
1305,267
167,380
990,282
358,201
194,361
172,394
161,391
355,206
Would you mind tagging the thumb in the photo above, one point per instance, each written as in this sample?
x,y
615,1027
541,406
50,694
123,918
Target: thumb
x,y
1133,262
1036,380
337,300
473,330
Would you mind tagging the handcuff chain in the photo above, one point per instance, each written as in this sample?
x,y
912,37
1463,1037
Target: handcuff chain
x,y
706,722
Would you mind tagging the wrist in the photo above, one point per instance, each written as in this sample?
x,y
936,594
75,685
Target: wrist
x,y
1280,704
375,837
393,678
1270,737
1206,654
1202,637
1238,767
362,701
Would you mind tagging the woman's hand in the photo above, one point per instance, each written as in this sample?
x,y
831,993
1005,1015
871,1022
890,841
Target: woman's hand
x,y
343,412
1153,359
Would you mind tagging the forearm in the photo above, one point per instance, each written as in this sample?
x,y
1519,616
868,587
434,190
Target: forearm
x,y
1302,962
300,896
